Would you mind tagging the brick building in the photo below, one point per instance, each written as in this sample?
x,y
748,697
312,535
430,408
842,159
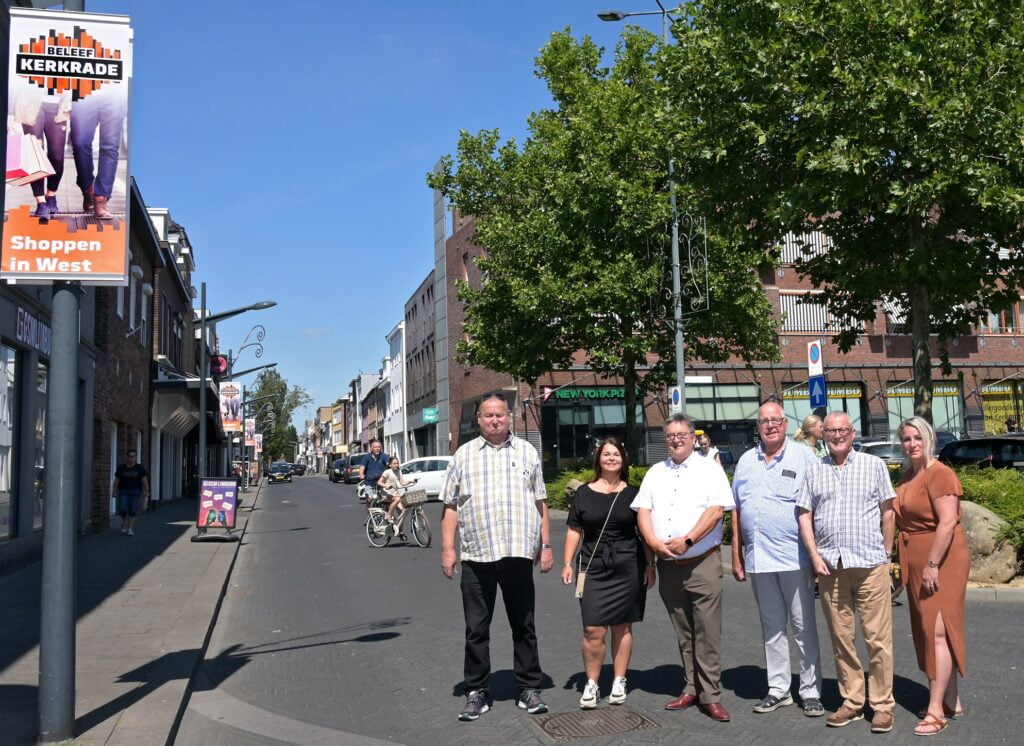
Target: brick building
x,y
421,370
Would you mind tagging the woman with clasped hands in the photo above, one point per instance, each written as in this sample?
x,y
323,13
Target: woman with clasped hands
x,y
618,568
934,565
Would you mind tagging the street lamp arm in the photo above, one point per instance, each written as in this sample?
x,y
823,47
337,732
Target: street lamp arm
x,y
250,370
215,317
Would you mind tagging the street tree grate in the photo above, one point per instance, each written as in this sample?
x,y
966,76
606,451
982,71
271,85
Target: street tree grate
x,y
571,726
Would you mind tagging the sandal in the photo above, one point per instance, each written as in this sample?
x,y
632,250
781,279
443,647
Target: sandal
x,y
934,724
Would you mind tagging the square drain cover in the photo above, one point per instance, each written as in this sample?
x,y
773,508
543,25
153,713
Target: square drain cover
x,y
607,721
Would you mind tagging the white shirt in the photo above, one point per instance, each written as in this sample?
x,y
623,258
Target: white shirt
x,y
678,494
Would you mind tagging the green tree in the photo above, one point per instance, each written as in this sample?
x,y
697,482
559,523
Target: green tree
x,y
574,229
893,128
279,435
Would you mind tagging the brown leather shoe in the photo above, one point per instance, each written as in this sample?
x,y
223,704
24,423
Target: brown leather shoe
x,y
844,716
881,722
716,712
88,200
681,702
100,208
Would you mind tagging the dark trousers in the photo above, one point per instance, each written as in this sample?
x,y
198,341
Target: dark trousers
x,y
480,583
55,135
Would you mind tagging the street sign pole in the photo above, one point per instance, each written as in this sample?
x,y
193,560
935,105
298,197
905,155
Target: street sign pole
x,y
816,386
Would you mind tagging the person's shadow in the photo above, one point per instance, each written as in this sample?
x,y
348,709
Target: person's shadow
x,y
502,686
665,679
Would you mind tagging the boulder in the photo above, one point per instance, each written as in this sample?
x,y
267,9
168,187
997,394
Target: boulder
x,y
992,561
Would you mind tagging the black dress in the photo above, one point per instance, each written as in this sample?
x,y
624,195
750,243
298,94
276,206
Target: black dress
x,y
614,592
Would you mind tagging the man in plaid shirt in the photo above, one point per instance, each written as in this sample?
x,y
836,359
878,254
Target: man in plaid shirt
x,y
847,524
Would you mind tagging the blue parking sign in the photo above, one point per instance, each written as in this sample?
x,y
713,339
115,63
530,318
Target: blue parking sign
x,y
818,392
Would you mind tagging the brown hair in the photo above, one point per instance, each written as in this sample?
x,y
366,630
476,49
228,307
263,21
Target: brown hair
x,y
617,444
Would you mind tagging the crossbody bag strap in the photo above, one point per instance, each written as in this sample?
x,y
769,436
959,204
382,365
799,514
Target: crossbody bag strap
x,y
599,536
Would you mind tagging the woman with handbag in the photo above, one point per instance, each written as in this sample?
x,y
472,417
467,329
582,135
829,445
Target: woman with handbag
x,y
44,115
614,568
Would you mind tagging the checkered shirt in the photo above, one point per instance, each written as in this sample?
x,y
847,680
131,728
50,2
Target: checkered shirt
x,y
845,503
495,490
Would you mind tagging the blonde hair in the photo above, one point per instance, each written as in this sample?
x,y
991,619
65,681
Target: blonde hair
x,y
809,423
924,428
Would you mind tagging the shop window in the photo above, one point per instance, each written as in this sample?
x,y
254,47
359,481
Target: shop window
x,y
1001,400
722,402
947,405
842,397
8,450
42,386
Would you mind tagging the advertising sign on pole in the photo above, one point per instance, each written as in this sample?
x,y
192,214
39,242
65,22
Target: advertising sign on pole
x,y
231,406
67,181
250,432
259,444
217,502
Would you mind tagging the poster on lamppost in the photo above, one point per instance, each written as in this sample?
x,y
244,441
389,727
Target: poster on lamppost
x,y
258,445
250,432
231,406
67,179
218,499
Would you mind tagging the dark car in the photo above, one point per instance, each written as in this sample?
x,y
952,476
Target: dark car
x,y
1000,452
280,472
298,470
889,451
727,459
336,472
943,438
353,467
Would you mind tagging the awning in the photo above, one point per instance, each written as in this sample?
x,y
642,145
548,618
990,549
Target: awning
x,y
176,406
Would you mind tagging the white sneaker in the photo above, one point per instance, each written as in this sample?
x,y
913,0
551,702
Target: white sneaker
x,y
130,532
590,695
618,695
124,529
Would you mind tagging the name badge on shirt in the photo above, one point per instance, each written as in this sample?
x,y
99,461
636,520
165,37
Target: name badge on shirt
x,y
789,473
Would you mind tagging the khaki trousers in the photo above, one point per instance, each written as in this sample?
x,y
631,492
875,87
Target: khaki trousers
x,y
693,599
866,591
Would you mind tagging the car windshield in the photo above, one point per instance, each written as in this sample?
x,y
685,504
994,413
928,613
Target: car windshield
x,y
280,467
884,450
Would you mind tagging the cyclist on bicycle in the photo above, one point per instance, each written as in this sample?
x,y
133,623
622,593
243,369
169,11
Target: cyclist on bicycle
x,y
373,465
393,486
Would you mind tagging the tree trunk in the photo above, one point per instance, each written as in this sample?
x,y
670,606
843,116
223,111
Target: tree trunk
x,y
921,327
633,430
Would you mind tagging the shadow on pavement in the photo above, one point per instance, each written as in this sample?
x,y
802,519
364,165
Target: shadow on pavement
x,y
23,700
502,686
665,679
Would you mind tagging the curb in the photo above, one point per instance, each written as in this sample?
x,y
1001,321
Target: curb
x,y
996,594
190,686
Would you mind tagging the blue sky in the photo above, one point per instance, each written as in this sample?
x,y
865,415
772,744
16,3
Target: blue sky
x,y
292,141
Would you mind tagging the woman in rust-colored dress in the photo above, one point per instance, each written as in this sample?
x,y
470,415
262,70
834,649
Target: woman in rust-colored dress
x,y
934,565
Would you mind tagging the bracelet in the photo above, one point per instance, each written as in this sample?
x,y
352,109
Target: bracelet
x,y
545,546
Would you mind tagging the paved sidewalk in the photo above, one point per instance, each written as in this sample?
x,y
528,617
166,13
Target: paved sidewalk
x,y
146,605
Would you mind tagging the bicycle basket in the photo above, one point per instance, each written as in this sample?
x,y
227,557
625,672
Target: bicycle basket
x,y
414,497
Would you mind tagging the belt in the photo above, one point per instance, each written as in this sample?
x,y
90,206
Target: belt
x,y
903,541
687,561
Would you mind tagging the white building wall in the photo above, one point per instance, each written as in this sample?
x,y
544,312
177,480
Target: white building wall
x,y
394,422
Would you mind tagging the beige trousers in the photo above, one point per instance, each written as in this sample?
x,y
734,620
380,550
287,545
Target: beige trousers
x,y
864,590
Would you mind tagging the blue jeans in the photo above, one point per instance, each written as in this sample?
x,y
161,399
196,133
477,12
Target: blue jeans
x,y
128,502
107,113
55,135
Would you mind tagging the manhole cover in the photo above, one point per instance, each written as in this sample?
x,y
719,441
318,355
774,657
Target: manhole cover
x,y
569,726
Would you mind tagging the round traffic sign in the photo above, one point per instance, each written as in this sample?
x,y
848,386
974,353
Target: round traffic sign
x,y
814,353
675,395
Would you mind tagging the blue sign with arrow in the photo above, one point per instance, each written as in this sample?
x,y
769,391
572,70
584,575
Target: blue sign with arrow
x,y
818,392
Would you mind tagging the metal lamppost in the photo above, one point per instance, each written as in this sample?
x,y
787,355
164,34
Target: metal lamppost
x,y
677,293
204,362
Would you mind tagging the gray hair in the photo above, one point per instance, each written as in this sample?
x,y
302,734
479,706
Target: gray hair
x,y
922,426
678,419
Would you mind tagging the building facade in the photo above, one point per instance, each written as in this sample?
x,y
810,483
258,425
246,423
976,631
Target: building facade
x,y
421,371
394,415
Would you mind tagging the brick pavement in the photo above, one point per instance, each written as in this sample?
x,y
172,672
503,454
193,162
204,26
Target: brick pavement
x,y
324,639
145,607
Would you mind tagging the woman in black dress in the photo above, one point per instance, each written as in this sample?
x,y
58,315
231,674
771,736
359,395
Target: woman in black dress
x,y
619,568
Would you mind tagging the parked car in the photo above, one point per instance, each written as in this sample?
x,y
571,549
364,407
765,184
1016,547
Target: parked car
x,y
429,471
942,439
1000,452
298,470
353,465
280,472
861,440
336,472
727,459
889,451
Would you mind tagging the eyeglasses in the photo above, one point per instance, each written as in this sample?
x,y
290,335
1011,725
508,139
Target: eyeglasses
x,y
772,421
678,437
841,431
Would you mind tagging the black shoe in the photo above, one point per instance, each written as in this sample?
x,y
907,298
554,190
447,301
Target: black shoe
x,y
530,701
813,708
771,703
476,705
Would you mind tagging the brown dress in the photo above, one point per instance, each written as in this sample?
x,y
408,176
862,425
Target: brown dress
x,y
917,522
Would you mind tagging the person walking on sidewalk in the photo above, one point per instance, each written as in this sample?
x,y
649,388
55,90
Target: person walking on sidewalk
x,y
679,511
766,548
494,495
615,568
131,487
847,524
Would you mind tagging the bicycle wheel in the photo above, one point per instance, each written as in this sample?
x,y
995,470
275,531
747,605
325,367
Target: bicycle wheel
x,y
420,528
377,529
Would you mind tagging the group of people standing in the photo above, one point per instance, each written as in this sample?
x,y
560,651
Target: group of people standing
x,y
797,516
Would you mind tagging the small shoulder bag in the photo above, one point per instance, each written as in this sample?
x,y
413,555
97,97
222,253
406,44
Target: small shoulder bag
x,y
581,574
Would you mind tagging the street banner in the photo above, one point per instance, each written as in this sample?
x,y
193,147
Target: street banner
x,y
250,432
259,444
231,406
217,503
67,180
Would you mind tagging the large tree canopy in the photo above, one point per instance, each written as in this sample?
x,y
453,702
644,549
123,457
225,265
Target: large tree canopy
x,y
575,225
279,435
894,128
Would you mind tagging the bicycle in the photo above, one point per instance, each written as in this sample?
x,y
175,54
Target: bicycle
x,y
379,531
365,491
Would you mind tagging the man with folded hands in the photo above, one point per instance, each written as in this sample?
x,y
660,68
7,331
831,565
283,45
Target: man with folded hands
x,y
679,512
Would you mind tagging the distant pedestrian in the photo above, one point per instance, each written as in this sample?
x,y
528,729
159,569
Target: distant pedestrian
x,y
1011,425
679,511
494,495
615,568
811,434
766,548
706,449
847,525
131,489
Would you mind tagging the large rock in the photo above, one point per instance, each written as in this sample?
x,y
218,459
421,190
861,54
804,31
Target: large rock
x,y
992,561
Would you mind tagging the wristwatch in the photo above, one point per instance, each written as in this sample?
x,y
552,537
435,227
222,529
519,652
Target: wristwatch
x,y
689,542
932,564
545,546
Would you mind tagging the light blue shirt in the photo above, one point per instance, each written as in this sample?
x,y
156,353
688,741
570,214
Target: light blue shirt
x,y
766,494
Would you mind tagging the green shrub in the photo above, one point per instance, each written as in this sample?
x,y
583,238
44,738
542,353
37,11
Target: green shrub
x,y
1002,492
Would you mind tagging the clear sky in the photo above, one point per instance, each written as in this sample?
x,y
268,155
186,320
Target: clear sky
x,y
292,141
